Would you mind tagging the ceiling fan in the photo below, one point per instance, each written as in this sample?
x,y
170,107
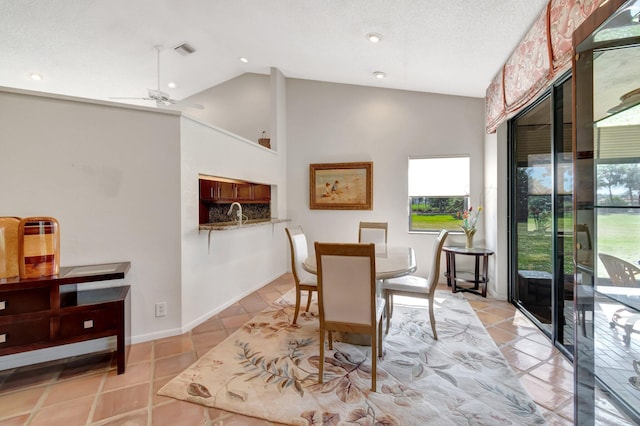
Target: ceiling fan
x,y
161,98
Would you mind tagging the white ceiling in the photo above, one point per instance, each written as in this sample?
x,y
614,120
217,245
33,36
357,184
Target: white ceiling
x,y
104,48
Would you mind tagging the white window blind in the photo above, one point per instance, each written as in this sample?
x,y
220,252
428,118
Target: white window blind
x,y
439,177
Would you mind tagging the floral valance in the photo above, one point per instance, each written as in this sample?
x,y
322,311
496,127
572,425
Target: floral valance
x,y
544,53
528,68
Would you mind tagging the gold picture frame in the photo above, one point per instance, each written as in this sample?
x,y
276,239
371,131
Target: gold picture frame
x,y
341,186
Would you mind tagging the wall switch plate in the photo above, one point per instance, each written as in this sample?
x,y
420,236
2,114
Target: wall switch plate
x,y
161,309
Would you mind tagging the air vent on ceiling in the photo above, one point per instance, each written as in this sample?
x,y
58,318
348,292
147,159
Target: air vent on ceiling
x,y
184,49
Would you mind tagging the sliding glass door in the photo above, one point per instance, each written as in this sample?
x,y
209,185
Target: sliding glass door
x,y
607,193
541,213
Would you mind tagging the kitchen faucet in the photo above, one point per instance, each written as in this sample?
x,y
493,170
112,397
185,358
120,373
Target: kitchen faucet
x,y
239,214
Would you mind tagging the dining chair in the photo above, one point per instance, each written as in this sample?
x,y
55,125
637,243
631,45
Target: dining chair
x,y
303,279
622,274
414,286
373,232
347,297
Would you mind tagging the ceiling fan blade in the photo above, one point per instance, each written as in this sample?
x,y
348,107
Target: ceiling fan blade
x,y
185,104
162,98
132,99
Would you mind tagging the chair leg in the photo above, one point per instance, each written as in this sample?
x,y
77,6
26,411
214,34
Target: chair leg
x,y
295,314
432,319
380,353
309,296
321,367
387,308
374,358
330,340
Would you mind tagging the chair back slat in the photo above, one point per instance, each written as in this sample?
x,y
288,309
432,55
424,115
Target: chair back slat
x,y
299,252
434,272
346,282
346,289
373,232
377,236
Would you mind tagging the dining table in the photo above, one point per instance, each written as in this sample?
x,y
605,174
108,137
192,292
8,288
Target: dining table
x,y
391,262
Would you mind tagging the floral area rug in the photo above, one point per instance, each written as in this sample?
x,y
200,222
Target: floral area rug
x,y
269,369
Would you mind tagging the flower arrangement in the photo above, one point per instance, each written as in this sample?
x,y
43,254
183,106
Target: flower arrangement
x,y
470,218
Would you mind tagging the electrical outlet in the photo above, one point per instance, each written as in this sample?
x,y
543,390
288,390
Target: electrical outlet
x,y
161,309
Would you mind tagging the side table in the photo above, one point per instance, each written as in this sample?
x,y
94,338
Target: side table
x,y
478,277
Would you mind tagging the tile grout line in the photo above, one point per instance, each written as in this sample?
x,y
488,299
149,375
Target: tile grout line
x,y
152,384
34,410
96,397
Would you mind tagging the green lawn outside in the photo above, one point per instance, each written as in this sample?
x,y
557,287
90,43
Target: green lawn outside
x,y
618,235
435,222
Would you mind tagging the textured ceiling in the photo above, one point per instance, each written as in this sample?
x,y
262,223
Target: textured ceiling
x,y
104,48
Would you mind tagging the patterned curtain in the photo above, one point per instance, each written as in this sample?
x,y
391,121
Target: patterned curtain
x,y
495,109
529,68
544,53
564,17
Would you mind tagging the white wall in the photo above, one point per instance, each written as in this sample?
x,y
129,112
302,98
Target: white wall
x,y
496,224
111,176
238,261
241,105
329,123
123,183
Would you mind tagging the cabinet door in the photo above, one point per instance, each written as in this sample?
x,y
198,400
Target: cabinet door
x,y
207,189
262,192
244,192
225,191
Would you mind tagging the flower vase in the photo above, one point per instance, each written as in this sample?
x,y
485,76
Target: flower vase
x,y
469,233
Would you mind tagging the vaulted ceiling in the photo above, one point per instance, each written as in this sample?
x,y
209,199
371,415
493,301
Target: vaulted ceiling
x,y
105,48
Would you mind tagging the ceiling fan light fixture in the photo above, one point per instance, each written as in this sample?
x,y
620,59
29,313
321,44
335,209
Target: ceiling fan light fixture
x,y
184,49
374,37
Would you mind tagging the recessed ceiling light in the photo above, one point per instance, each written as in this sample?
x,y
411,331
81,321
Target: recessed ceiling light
x,y
35,76
379,74
171,85
245,60
374,37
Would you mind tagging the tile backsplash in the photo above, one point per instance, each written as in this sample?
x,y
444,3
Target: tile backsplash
x,y
218,212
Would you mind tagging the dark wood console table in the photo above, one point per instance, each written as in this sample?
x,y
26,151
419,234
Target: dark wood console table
x,y
477,277
50,311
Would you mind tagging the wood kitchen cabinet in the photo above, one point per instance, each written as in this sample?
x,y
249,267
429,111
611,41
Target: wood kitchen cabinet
x,y
49,311
262,193
226,192
207,189
244,192
212,191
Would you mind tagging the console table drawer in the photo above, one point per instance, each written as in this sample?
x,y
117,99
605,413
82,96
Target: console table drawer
x,y
24,333
87,322
22,301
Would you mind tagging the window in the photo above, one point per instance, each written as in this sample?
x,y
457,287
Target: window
x,y
438,191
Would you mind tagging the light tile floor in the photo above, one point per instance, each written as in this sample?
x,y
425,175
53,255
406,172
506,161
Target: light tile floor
x,y
86,390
